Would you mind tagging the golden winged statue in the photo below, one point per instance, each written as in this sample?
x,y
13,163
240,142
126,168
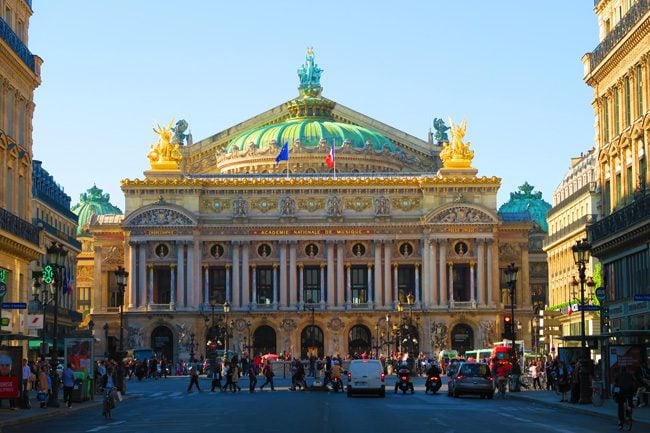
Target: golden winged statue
x,y
164,155
456,154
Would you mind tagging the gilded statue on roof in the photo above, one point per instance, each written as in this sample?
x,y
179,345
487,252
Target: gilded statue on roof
x,y
456,154
164,155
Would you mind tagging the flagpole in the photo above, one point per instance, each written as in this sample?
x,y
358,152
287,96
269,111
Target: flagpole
x,y
334,155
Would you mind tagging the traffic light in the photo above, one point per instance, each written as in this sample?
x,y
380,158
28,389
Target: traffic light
x,y
507,326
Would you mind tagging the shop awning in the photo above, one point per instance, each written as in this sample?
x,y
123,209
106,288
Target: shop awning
x,y
36,344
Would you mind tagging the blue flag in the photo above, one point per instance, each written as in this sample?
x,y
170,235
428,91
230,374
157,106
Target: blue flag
x,y
284,154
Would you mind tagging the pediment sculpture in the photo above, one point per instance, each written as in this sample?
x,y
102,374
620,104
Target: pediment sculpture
x,y
161,217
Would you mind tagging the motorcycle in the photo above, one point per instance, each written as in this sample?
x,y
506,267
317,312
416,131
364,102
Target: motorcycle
x,y
432,384
403,381
337,385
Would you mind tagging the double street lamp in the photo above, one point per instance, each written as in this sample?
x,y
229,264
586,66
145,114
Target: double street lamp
x,y
121,277
407,324
581,253
52,276
511,279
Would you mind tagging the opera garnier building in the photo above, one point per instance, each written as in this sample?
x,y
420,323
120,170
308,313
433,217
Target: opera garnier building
x,y
309,227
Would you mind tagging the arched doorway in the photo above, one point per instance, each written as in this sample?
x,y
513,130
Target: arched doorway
x,y
312,342
462,338
264,339
359,340
162,342
409,339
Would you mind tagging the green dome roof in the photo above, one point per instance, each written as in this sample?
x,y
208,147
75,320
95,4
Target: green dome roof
x,y
526,206
310,122
93,202
311,132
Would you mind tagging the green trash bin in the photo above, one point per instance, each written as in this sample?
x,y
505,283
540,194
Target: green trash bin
x,y
80,390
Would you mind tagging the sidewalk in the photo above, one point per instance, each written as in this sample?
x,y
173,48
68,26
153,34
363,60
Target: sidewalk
x,y
12,417
608,410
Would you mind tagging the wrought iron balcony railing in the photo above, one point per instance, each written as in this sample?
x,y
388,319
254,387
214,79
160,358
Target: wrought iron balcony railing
x,y
58,233
17,45
18,227
629,20
582,222
620,220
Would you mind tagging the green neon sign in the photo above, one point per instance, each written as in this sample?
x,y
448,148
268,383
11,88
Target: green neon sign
x,y
3,275
48,274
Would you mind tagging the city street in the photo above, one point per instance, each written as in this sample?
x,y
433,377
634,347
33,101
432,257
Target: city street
x,y
165,405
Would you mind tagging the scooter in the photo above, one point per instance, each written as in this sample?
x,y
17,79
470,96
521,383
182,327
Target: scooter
x,y
337,385
433,384
403,381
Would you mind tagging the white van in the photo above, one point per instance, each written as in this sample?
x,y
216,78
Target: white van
x,y
366,376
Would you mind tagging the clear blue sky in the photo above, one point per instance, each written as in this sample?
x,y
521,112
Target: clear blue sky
x,y
112,69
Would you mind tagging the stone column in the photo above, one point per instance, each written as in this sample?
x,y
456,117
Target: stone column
x,y
493,273
433,265
480,273
133,275
301,284
378,285
348,285
142,274
293,277
172,296
100,296
417,284
450,278
236,277
150,269
370,287
275,286
395,284
228,294
245,275
331,288
339,274
180,276
388,287
206,284
190,289
283,275
254,301
472,283
442,274
426,271
322,285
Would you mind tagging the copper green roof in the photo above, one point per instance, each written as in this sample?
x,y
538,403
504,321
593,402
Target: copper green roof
x,y
93,202
310,122
526,205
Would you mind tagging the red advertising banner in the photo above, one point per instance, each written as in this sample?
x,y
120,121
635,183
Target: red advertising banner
x,y
630,356
9,387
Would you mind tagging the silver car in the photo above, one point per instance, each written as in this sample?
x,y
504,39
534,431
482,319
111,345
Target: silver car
x,y
471,378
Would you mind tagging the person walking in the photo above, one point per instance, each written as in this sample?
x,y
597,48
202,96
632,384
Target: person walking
x,y
68,384
563,382
267,371
194,378
27,379
252,377
234,378
43,387
623,391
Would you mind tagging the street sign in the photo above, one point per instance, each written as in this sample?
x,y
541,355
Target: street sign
x,y
600,293
642,297
588,307
14,305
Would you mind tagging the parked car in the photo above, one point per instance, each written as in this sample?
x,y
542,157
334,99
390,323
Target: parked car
x,y
471,378
366,376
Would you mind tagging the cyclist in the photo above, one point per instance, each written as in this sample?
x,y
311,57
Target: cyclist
x,y
623,390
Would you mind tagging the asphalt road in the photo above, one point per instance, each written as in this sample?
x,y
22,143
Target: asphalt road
x,y
165,406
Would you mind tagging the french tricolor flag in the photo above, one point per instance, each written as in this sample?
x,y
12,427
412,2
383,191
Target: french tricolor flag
x,y
329,159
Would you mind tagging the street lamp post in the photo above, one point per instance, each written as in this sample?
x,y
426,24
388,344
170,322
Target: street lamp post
x,y
52,274
121,276
105,328
226,310
192,347
581,252
248,340
511,278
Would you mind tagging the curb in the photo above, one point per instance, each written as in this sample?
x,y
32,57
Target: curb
x,y
568,408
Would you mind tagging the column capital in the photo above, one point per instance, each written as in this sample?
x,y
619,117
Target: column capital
x,y
172,266
450,264
417,265
370,265
228,266
205,267
275,266
149,266
253,266
323,265
301,265
395,265
347,265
